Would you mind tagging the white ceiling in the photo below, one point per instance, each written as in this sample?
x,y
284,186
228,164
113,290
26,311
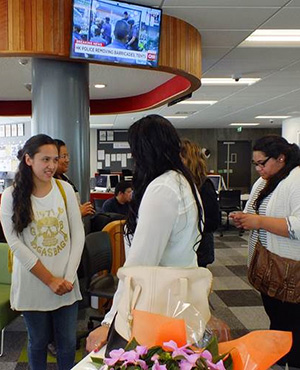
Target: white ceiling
x,y
223,24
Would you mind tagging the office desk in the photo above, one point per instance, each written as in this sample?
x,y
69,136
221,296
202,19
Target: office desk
x,y
100,195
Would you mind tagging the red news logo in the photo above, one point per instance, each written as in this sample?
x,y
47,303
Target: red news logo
x,y
151,56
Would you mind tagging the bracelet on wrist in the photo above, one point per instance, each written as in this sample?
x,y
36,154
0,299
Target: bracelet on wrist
x,y
106,324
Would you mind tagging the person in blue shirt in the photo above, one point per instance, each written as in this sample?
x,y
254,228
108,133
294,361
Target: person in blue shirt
x,y
106,30
120,202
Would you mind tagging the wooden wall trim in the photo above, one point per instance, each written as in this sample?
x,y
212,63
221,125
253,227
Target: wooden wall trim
x,y
42,28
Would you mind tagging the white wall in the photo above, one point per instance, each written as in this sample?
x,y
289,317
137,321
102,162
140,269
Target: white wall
x,y
291,130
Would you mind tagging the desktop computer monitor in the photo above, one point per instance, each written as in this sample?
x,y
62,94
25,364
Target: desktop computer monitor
x,y
218,182
106,182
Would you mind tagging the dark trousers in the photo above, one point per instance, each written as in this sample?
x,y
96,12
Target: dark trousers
x,y
285,316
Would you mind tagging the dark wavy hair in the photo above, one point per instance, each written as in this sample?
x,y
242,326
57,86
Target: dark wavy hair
x,y
59,143
273,146
23,182
155,147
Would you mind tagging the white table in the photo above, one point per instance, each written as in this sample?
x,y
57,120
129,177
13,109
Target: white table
x,y
86,362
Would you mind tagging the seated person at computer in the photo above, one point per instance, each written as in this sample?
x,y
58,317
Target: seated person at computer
x,y
63,166
119,203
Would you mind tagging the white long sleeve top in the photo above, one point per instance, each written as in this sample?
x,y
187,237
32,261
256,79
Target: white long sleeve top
x,y
284,202
167,228
55,237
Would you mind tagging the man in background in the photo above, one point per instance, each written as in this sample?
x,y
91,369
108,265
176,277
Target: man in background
x,y
120,202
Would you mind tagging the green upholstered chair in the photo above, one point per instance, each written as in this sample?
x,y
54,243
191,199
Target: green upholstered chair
x,y
6,314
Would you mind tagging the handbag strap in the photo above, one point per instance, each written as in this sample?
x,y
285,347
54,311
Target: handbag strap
x,y
62,191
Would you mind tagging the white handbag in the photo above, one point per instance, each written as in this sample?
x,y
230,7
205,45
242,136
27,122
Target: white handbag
x,y
149,288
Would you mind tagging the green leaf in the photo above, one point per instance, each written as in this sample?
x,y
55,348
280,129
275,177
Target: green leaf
x,y
212,346
97,360
228,362
151,352
131,345
172,365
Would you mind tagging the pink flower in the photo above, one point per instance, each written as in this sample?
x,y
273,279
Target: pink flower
x,y
207,355
142,364
189,361
130,357
141,350
115,356
218,366
157,366
177,351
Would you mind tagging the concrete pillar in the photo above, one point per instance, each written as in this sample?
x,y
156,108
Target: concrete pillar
x,y
60,109
291,130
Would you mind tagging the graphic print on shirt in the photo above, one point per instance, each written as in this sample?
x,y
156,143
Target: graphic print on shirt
x,y
48,231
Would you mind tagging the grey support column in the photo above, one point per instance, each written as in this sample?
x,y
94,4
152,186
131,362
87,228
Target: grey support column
x,y
60,109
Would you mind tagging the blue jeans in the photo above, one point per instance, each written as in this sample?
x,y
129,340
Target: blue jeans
x,y
42,326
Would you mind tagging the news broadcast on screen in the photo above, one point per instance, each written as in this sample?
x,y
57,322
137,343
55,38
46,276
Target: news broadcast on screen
x,y
116,32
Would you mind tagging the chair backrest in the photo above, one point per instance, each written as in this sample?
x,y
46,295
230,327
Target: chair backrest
x,y
98,203
115,231
230,199
5,276
97,254
99,220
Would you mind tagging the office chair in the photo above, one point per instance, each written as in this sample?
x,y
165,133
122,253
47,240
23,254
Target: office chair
x,y
96,259
98,203
229,201
7,315
115,231
101,219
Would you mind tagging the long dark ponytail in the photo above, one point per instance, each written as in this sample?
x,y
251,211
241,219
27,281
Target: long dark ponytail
x,y
23,182
273,146
155,147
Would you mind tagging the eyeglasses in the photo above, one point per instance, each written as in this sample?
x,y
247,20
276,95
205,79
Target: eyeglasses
x,y
64,156
260,164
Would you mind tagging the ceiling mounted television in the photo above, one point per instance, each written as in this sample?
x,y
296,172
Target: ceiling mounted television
x,y
115,32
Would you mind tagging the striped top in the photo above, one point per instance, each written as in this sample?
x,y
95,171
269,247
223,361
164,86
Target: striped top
x,y
283,203
260,233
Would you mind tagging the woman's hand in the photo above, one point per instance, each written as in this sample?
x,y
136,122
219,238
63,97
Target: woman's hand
x,y
60,286
246,221
86,209
97,339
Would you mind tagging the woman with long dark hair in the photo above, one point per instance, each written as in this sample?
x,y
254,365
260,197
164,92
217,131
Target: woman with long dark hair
x,y
273,216
165,218
42,225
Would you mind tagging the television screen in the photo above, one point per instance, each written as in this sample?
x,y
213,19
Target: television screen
x,y
116,32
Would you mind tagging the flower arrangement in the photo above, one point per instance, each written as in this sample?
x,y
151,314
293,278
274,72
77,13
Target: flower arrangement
x,y
168,357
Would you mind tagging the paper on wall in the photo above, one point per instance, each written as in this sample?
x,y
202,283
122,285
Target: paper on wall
x,y
124,160
107,160
100,155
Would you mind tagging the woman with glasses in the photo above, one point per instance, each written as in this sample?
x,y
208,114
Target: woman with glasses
x,y
272,215
63,166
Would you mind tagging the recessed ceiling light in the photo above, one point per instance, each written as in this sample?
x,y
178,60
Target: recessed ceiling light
x,y
200,102
245,124
175,117
100,86
229,81
101,125
273,117
277,38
